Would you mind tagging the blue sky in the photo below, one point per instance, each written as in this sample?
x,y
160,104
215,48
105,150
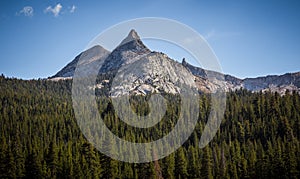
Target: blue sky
x,y
250,38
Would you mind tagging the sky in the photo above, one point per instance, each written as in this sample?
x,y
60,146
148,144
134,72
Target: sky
x,y
250,38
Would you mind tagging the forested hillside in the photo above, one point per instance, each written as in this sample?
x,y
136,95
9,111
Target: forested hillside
x,y
39,137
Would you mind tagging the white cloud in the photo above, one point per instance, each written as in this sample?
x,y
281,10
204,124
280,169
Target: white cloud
x,y
73,8
26,11
55,10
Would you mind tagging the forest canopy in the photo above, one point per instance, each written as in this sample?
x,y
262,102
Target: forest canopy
x,y
39,136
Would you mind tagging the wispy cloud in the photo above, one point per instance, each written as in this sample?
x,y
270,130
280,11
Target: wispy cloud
x,y
26,11
54,10
72,9
213,34
209,34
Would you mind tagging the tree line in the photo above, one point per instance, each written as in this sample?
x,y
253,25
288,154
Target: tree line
x,y
39,136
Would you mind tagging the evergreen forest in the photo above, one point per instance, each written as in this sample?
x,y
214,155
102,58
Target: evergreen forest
x,y
259,136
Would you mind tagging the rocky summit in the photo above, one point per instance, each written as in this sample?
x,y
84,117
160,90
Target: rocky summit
x,y
138,70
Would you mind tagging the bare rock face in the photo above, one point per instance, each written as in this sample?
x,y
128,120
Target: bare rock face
x,y
129,50
92,57
151,73
273,83
137,70
132,36
288,80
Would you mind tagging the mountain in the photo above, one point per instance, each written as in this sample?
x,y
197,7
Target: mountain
x,y
273,83
92,56
138,70
129,50
289,81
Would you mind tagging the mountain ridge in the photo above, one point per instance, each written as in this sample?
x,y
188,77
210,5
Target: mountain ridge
x,y
94,52
131,50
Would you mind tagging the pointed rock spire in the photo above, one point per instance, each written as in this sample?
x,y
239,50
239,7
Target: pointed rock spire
x,y
131,36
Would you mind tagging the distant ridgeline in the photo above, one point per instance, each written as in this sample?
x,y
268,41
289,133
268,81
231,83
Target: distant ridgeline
x,y
39,137
155,72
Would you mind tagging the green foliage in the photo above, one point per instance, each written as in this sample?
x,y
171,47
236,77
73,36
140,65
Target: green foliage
x,y
39,136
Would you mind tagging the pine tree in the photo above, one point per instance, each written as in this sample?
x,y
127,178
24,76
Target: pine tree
x,y
92,161
33,168
108,163
11,169
52,159
3,155
207,164
127,171
181,164
169,166
193,169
